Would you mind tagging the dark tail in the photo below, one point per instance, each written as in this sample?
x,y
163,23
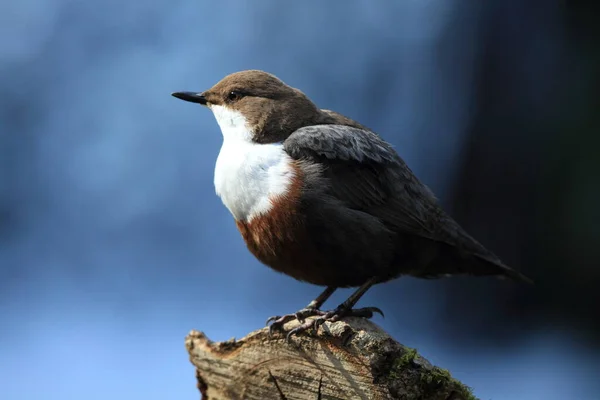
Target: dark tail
x,y
495,267
448,260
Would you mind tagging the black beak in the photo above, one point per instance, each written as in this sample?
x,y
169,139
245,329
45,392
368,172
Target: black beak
x,y
190,96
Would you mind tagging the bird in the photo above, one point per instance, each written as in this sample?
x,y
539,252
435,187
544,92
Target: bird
x,y
324,199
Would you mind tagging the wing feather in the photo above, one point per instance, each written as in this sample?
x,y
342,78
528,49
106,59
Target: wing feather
x,y
366,174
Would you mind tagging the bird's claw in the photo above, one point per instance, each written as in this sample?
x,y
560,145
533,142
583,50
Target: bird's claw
x,y
331,316
278,321
366,312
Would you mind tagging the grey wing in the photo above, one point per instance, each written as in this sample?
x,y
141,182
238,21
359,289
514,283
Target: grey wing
x,y
367,174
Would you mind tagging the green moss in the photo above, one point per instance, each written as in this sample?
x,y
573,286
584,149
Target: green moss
x,y
402,362
438,378
430,380
409,356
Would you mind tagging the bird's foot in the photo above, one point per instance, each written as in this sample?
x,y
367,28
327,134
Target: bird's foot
x,y
332,316
278,321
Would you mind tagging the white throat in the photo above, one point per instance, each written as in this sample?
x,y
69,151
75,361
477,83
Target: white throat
x,y
248,175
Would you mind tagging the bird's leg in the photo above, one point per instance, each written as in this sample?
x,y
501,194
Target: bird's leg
x,y
343,310
310,310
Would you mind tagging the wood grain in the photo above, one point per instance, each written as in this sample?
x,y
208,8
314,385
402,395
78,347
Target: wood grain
x,y
349,359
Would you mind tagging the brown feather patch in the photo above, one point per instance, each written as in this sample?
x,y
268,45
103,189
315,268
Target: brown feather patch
x,y
279,237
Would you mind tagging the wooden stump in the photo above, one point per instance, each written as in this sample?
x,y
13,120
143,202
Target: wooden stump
x,y
349,359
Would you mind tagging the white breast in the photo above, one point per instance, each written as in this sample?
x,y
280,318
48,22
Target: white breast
x,y
247,174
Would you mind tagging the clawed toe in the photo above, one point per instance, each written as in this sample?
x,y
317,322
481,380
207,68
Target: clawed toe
x,y
329,316
303,327
277,322
366,312
312,310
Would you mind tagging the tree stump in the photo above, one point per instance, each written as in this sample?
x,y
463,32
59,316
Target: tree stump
x,y
349,359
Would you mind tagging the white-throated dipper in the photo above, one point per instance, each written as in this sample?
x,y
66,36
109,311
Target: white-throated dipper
x,y
325,200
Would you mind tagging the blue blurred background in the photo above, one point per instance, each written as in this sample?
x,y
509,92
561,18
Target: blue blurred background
x,y
113,245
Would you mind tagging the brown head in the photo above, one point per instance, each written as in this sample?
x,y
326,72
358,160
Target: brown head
x,y
271,110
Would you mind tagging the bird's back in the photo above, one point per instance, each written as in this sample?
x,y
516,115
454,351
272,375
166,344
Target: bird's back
x,y
427,241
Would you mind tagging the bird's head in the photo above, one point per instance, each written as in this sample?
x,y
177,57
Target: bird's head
x,y
257,105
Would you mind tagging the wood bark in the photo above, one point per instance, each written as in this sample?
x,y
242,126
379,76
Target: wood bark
x,y
349,359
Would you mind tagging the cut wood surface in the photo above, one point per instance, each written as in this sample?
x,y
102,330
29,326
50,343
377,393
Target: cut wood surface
x,y
349,359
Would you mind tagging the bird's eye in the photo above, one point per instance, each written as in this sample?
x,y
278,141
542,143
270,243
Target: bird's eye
x,y
234,95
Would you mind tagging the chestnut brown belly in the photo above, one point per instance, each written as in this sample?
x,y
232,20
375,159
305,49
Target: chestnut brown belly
x,y
327,254
284,245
